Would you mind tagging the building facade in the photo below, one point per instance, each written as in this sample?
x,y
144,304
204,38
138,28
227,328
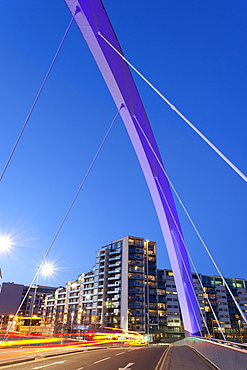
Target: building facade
x,y
120,291
14,299
126,290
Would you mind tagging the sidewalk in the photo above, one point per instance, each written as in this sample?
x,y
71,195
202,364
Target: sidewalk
x,y
183,357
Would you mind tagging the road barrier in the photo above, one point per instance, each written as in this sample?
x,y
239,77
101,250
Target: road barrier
x,y
223,355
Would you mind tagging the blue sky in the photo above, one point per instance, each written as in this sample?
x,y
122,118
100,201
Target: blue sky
x,y
194,52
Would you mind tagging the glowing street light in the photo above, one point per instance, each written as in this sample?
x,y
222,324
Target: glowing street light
x,y
5,243
47,269
5,246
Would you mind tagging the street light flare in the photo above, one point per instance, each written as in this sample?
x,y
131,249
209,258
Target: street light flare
x,y
47,269
5,243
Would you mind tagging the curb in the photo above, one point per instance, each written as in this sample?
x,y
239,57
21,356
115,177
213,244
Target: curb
x,y
13,362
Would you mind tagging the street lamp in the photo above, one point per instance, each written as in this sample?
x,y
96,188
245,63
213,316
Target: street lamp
x,y
239,326
5,246
5,243
46,269
72,320
212,320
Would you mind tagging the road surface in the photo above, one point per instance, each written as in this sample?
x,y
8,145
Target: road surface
x,y
103,359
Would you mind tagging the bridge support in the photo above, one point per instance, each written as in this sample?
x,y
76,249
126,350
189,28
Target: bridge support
x,y
93,22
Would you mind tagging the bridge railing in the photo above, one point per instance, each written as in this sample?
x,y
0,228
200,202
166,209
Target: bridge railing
x,y
224,355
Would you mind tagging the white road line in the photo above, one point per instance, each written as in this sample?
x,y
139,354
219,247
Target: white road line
x,y
127,367
103,359
134,349
80,368
118,354
54,363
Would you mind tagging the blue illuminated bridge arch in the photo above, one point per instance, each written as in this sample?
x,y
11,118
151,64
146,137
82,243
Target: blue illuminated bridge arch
x,y
94,23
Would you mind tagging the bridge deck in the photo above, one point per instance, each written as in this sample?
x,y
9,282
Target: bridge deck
x,y
185,358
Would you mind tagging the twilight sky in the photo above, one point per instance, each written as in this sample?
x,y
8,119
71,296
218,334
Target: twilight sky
x,y
195,53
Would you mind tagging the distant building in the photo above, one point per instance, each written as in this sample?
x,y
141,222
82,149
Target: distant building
x,y
215,303
11,297
126,290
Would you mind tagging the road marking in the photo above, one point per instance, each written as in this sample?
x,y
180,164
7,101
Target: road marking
x,y
54,363
127,367
118,354
103,359
80,368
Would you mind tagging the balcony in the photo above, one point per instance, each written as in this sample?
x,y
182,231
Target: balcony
x,y
136,275
134,313
138,269
136,250
116,271
116,264
112,285
114,278
136,290
114,258
74,290
136,263
135,256
135,298
135,305
113,291
115,252
88,288
59,298
135,283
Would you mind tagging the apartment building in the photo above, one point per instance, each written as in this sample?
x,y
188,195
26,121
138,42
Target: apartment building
x,y
219,312
120,291
70,307
126,290
27,300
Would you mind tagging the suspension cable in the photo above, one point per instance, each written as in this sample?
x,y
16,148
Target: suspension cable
x,y
37,96
193,224
236,169
66,215
191,260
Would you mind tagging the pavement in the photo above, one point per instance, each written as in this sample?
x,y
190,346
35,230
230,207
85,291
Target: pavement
x,y
174,358
184,358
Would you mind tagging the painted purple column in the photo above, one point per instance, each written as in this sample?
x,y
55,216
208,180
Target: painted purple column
x,y
92,19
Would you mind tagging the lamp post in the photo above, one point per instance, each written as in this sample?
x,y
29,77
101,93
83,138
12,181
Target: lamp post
x,y
239,326
72,320
5,243
212,320
46,269
5,246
